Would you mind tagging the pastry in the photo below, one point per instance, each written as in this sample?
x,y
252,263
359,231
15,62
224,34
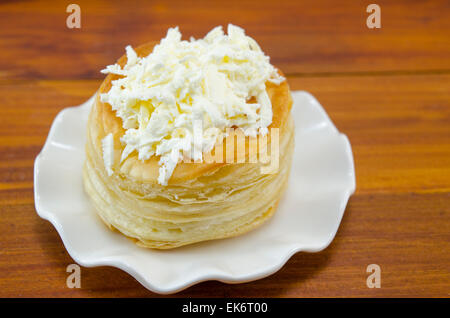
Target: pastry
x,y
189,141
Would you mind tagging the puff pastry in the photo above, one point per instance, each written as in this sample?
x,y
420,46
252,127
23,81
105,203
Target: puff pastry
x,y
202,201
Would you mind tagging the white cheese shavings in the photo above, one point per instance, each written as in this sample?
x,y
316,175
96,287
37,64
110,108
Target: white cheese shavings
x,y
162,96
108,153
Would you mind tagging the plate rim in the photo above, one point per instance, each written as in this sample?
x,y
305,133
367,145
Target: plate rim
x,y
114,261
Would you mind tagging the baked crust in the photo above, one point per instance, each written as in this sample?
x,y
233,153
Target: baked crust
x,y
202,201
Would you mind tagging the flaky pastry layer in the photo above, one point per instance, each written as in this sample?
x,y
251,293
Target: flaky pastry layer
x,y
202,201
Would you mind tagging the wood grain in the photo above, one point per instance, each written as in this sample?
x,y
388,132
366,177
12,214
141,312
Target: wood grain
x,y
387,89
398,218
313,36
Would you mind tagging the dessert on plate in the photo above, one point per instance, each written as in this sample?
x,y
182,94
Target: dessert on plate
x,y
189,141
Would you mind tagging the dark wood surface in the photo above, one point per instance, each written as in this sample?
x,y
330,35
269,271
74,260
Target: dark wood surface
x,y
387,89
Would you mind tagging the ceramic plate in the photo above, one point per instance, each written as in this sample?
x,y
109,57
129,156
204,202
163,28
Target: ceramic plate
x,y
322,179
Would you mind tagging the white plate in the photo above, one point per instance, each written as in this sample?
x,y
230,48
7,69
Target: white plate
x,y
322,179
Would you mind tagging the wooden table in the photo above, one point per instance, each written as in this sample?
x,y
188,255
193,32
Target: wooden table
x,y
388,89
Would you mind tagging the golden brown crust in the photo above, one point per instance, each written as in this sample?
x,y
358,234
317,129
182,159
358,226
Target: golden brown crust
x,y
202,201
106,122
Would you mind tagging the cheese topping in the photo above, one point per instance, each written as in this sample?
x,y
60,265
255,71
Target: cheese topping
x,y
108,153
183,88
